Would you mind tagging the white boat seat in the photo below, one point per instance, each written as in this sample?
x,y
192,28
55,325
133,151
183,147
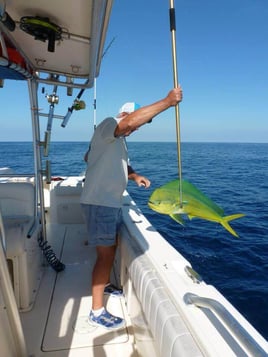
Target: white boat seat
x,y
65,204
22,227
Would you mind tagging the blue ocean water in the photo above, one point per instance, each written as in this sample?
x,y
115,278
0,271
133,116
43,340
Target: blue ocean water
x,y
235,176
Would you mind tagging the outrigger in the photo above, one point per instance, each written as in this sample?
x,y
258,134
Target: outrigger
x,y
44,259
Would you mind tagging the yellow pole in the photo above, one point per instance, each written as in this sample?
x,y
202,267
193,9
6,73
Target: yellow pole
x,y
176,84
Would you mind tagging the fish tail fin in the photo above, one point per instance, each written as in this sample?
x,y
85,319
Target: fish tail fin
x,y
225,222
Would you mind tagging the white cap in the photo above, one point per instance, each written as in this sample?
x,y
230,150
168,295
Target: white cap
x,y
129,107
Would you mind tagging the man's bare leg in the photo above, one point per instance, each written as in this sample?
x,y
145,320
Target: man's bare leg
x,y
101,274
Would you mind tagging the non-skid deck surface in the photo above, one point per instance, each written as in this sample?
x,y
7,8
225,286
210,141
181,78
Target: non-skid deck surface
x,y
67,325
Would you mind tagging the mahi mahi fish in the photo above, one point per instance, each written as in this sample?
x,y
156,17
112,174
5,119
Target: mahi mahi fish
x,y
167,199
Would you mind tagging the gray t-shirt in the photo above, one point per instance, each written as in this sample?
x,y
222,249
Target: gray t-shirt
x,y
106,174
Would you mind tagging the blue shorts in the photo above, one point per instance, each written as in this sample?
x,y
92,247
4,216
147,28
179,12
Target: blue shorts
x,y
102,224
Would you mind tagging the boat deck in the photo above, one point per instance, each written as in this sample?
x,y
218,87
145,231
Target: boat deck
x,y
161,319
63,304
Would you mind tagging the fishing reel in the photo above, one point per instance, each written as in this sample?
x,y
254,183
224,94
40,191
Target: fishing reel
x,y
41,29
79,104
52,98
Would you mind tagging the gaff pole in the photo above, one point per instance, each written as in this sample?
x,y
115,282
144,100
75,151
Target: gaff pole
x,y
172,20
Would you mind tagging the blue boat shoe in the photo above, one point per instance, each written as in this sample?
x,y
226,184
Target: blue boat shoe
x,y
112,290
106,320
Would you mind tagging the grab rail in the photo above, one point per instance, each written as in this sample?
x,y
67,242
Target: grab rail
x,y
246,340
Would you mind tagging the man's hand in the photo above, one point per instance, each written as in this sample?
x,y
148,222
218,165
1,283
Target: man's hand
x,y
141,181
175,96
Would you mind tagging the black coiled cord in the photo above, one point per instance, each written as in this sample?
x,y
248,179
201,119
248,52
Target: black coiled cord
x,y
51,258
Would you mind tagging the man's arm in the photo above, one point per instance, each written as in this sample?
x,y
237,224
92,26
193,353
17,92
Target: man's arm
x,y
131,122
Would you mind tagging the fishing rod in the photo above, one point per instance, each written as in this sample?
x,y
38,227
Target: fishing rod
x,y
95,104
172,20
77,105
52,99
95,86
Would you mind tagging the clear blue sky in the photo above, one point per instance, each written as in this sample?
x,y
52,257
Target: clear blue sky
x,y
222,49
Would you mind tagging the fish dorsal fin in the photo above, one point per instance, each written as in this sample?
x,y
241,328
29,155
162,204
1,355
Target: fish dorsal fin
x,y
188,187
191,190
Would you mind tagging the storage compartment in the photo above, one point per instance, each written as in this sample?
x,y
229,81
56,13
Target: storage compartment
x,y
24,257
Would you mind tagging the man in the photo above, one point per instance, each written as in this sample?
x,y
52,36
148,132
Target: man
x,y
106,179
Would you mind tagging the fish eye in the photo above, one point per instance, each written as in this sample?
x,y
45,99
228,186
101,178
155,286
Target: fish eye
x,y
155,203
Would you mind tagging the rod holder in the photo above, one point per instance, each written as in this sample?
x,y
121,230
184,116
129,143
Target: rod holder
x,y
47,143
